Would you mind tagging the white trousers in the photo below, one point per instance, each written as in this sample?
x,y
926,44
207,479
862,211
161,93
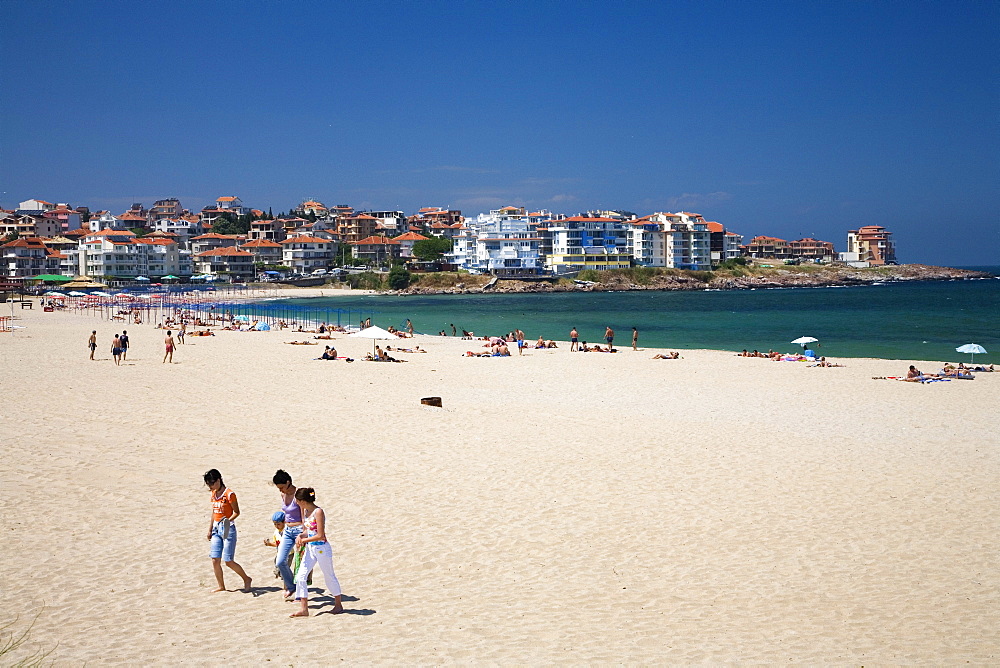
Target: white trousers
x,y
316,555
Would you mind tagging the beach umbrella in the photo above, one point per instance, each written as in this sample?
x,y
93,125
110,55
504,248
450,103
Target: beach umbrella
x,y
375,334
972,349
803,340
77,293
51,293
100,294
141,278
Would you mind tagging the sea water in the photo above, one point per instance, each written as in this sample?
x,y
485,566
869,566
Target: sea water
x,y
907,320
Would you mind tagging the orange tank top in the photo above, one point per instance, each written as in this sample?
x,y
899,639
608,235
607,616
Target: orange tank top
x,y
223,505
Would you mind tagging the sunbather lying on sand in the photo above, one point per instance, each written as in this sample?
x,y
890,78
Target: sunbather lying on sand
x,y
668,356
822,362
301,343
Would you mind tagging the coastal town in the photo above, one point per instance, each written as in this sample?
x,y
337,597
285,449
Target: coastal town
x,y
231,242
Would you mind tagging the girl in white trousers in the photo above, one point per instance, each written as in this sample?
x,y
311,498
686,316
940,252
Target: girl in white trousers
x,y
318,553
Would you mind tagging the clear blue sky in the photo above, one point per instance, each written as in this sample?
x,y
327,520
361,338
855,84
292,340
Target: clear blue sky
x,y
789,119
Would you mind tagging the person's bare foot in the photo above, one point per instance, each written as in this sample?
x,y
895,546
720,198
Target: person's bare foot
x,y
288,595
337,609
246,585
300,613
219,589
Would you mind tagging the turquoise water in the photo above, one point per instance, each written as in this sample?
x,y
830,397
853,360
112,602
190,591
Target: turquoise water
x,y
925,320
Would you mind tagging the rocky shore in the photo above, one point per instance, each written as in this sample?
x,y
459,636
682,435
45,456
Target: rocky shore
x,y
743,278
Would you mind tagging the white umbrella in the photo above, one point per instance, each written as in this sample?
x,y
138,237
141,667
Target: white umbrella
x,y
972,349
100,294
77,293
374,333
803,340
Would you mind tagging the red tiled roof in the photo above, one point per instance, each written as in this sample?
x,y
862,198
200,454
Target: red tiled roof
x,y
226,199
24,242
376,241
109,232
582,219
156,241
228,251
215,235
410,236
306,240
715,227
260,243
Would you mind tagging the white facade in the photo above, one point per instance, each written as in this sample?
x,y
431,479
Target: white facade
x,y
35,205
672,240
507,244
579,242
305,254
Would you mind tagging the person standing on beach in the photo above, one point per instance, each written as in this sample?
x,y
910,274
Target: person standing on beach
x,y
181,332
116,350
123,344
222,530
635,339
293,527
520,341
92,343
574,340
454,332
409,326
168,341
318,552
609,336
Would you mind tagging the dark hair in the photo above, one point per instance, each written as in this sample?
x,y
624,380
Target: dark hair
x,y
281,478
305,494
212,476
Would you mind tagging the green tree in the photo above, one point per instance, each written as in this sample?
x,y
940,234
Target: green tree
x,y
225,224
399,278
11,236
432,249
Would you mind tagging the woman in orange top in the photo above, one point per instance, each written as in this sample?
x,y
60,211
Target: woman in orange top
x,y
222,530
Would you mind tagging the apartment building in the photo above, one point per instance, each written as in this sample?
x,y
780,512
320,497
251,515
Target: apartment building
x,y
224,260
164,209
353,229
213,240
724,245
406,242
872,244
267,230
27,257
305,254
376,249
263,250
680,240
581,242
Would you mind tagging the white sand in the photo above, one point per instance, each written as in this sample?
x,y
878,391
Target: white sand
x,y
560,508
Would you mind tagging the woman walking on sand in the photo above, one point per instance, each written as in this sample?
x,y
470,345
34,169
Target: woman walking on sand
x,y
293,527
318,552
168,341
222,530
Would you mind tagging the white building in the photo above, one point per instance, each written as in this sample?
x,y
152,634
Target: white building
x,y
673,240
588,243
506,244
305,254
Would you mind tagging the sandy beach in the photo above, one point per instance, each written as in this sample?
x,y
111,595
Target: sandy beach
x,y
559,508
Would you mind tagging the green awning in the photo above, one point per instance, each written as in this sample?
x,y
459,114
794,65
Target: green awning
x,y
53,277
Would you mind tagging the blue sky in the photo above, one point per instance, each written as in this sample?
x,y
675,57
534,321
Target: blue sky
x,y
788,119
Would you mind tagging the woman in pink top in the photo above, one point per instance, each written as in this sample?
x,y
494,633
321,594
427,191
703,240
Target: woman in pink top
x,y
318,552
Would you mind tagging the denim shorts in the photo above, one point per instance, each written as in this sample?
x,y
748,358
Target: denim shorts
x,y
226,549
